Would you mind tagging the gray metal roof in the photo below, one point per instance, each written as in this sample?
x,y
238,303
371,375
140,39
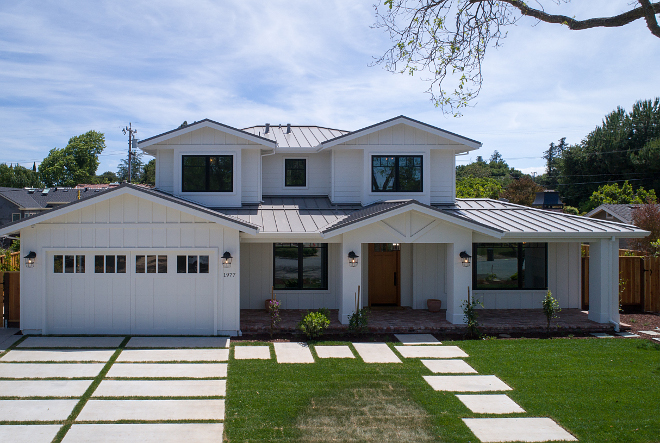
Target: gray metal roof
x,y
299,137
292,215
622,212
513,218
42,199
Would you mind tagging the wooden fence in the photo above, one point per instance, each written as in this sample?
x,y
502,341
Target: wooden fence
x,y
14,261
11,298
639,279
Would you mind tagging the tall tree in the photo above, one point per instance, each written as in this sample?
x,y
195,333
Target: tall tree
x,y
474,187
612,194
522,191
18,177
447,39
149,172
552,157
136,168
75,163
107,177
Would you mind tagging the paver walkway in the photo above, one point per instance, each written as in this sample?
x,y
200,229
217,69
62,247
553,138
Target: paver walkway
x,y
293,353
517,429
28,434
145,433
376,353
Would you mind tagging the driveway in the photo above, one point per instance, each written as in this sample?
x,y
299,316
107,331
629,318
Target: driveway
x,y
113,389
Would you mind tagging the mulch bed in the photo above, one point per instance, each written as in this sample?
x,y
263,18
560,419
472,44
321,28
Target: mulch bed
x,y
640,322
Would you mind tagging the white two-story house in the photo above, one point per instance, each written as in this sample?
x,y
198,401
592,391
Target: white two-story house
x,y
312,212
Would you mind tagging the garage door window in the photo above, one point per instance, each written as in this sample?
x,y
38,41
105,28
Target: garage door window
x,y
151,263
69,264
192,264
110,264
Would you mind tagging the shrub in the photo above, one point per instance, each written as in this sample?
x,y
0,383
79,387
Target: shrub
x,y
274,312
470,316
314,324
358,323
550,307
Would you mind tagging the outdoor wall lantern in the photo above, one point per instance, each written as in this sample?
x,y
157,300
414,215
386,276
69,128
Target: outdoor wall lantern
x,y
30,258
352,259
396,246
465,258
226,260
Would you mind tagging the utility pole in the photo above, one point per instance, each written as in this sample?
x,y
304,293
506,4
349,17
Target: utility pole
x,y
130,131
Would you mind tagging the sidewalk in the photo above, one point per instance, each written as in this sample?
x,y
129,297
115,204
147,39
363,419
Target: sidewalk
x,y
7,337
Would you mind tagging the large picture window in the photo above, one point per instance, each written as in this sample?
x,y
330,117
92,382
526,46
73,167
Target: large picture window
x,y
396,173
207,173
300,266
510,266
295,172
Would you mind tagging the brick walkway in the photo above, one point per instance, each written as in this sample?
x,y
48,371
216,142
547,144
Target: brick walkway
x,y
395,320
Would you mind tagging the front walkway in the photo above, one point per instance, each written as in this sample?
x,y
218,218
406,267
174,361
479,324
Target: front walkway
x,y
395,320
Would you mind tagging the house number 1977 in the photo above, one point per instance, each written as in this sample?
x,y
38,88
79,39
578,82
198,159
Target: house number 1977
x,y
229,274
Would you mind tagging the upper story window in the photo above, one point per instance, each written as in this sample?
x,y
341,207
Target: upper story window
x,y
396,173
207,173
295,172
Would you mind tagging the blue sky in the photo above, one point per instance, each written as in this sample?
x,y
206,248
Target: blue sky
x,y
69,66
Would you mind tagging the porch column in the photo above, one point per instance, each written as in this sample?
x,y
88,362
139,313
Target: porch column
x,y
351,277
604,280
459,277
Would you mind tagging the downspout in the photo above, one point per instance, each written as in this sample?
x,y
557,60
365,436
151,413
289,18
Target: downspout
x,y
261,173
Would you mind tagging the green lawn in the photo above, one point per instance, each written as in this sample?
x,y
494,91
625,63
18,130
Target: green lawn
x,y
599,390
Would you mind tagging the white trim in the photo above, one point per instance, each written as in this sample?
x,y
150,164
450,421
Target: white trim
x,y
299,157
206,124
236,174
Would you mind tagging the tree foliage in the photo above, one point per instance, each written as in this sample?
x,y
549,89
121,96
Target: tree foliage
x,y
647,217
18,177
447,39
475,187
140,172
625,194
107,177
522,191
75,163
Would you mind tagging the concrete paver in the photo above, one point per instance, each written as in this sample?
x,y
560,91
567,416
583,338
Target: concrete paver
x,y
376,353
50,370
165,370
466,383
651,333
333,352
70,342
601,335
172,355
490,403
431,351
145,433
113,410
36,410
517,429
28,433
448,366
8,337
178,342
626,334
251,352
43,388
293,353
417,339
33,355
161,388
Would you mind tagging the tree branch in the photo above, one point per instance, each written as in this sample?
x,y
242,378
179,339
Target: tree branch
x,y
646,11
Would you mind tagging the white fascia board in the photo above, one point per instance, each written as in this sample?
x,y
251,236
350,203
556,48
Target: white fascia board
x,y
571,236
221,220
286,237
402,210
206,124
463,144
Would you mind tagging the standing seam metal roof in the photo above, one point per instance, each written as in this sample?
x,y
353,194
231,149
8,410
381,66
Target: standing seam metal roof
x,y
300,136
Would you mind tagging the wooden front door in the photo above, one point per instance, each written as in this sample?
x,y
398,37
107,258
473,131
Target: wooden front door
x,y
383,275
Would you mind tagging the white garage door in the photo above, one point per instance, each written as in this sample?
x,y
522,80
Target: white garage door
x,y
137,292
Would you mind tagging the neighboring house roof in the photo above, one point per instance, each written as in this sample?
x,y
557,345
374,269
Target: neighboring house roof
x,y
620,212
196,209
37,199
299,137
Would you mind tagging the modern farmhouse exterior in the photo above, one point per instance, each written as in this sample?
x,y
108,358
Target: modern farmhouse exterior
x,y
313,212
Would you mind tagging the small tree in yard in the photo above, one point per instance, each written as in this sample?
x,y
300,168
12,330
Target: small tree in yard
x,y
470,316
550,308
274,312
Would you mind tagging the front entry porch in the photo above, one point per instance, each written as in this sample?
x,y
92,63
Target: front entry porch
x,y
405,320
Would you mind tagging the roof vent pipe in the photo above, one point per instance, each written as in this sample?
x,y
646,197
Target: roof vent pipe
x,y
267,128
288,128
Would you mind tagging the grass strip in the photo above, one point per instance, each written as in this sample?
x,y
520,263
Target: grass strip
x,y
88,393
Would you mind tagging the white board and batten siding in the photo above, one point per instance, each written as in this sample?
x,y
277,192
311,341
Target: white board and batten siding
x,y
169,303
563,281
350,169
257,280
318,174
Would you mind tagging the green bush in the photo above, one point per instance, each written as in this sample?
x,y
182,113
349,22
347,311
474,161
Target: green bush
x,y
358,323
550,308
314,324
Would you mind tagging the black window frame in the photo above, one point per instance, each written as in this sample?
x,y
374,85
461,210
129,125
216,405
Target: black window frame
x,y
397,187
207,178
324,270
520,287
287,169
